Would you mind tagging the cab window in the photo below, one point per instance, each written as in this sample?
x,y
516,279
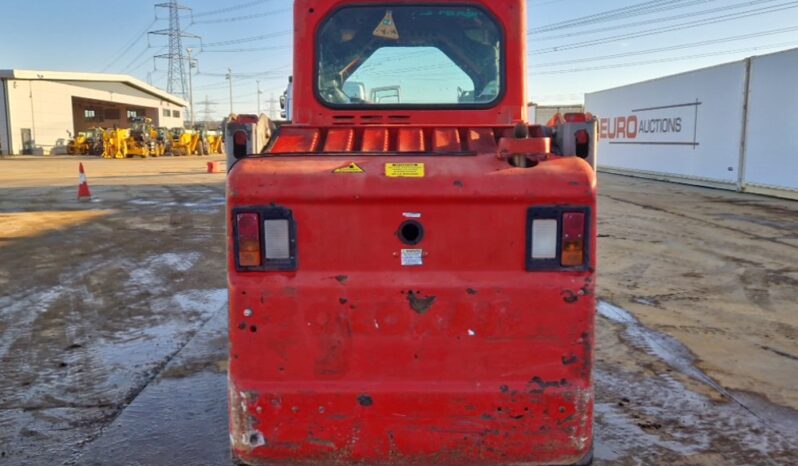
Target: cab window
x,y
409,55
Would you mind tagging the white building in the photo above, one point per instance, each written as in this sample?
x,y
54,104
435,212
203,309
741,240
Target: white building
x,y
39,110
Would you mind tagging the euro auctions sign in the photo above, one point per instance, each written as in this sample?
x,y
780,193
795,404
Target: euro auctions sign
x,y
667,125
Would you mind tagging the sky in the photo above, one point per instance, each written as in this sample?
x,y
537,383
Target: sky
x,y
575,46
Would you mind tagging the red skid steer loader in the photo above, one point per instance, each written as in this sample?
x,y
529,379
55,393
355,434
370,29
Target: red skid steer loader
x,y
412,278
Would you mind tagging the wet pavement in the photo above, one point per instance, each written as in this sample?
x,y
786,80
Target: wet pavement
x,y
113,320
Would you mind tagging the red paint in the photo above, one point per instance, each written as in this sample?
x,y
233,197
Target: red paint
x,y
411,140
618,127
353,358
339,140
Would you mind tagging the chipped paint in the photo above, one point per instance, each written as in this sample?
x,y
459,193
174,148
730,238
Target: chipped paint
x,y
419,303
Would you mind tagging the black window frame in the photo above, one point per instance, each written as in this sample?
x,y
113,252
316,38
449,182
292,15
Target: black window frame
x,y
456,106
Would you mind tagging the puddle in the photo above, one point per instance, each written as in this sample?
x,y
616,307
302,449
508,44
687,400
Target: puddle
x,y
179,420
213,201
656,344
150,273
660,413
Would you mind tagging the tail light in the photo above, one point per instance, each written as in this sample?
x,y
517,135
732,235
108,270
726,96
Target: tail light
x,y
573,239
249,253
265,239
240,144
544,239
277,239
557,238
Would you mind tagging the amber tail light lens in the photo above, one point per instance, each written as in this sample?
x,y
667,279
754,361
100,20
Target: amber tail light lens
x,y
573,239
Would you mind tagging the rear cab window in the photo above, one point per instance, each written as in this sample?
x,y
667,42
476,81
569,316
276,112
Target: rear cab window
x,y
406,56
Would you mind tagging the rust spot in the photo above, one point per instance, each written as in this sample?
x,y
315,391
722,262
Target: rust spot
x,y
568,360
458,183
419,303
504,388
569,297
365,401
242,325
587,346
472,291
342,278
542,385
343,300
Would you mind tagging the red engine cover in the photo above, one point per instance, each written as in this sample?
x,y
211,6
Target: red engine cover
x,y
353,357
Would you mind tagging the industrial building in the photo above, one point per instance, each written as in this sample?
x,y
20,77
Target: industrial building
x,y
40,110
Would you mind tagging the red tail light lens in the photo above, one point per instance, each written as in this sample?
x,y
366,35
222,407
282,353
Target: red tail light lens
x,y
240,138
573,239
249,249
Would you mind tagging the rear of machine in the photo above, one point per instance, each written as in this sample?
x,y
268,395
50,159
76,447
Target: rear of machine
x,y
411,273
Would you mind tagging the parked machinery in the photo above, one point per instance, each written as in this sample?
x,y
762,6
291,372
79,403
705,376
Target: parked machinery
x,y
164,137
79,145
184,142
115,143
86,143
142,140
215,142
95,141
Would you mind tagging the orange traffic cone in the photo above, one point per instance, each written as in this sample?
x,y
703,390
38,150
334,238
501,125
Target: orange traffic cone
x,y
83,188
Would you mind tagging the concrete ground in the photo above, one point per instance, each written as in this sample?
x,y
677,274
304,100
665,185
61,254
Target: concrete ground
x,y
113,319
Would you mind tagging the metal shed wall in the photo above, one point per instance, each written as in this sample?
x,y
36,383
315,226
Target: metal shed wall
x,y
771,139
687,125
744,117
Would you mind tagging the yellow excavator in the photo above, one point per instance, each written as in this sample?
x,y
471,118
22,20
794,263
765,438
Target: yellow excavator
x,y
142,139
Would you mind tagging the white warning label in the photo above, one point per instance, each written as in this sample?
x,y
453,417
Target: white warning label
x,y
412,257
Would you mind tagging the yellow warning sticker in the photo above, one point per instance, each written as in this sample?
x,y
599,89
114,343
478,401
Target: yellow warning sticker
x,y
349,169
404,170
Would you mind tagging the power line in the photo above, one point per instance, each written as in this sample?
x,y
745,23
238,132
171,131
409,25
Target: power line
x,y
677,27
125,50
662,19
669,48
229,8
254,49
242,18
247,39
136,59
638,9
662,60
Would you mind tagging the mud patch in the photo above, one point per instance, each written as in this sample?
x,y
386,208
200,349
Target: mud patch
x,y
419,303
